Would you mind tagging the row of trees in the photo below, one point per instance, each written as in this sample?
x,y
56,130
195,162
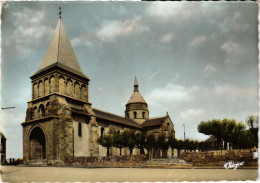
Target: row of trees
x,y
156,146
228,130
231,131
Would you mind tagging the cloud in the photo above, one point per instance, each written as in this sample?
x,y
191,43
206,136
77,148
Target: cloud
x,y
191,113
166,38
234,23
170,93
227,90
209,69
81,41
110,30
28,30
198,41
168,10
231,48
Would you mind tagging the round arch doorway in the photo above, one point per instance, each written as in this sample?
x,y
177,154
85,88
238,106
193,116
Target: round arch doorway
x,y
37,144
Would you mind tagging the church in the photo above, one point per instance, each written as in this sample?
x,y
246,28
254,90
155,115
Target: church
x,y
60,120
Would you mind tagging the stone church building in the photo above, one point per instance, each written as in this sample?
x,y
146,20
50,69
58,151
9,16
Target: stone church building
x,y
61,122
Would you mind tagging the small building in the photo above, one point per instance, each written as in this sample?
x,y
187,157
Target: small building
x,y
3,148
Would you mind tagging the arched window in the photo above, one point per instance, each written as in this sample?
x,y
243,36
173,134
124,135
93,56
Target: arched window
x,y
35,90
127,115
77,90
79,130
135,114
83,94
143,114
46,86
62,85
35,112
52,84
47,108
102,132
41,111
41,89
69,87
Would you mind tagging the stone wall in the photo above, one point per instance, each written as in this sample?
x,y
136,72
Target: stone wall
x,y
134,160
220,157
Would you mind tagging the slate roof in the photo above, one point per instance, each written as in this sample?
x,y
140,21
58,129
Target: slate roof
x,y
136,96
60,52
115,118
153,122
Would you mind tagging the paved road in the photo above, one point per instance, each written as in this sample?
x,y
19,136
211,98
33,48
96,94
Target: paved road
x,y
65,174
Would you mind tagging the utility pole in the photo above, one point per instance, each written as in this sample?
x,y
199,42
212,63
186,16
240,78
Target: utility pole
x,y
184,130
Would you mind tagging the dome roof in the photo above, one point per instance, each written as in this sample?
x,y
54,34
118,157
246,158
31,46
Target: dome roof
x,y
136,96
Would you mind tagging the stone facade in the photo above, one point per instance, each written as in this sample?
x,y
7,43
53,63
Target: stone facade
x,y
60,122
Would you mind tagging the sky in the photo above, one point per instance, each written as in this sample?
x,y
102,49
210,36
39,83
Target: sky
x,y
195,60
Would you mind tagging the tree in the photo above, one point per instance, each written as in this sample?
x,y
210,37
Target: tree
x,y
180,146
162,143
106,141
252,121
212,127
190,145
149,144
140,142
245,140
119,142
129,140
225,129
173,142
238,131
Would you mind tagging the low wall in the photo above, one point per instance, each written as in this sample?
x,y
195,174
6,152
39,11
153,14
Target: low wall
x,y
220,157
134,160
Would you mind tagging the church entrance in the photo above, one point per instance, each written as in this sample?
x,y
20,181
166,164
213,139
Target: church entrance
x,y
37,145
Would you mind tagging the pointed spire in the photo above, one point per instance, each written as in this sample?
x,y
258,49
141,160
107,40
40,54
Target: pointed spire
x,y
136,84
60,12
136,96
60,52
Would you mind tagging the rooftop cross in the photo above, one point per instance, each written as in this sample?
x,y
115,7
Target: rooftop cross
x,y
60,12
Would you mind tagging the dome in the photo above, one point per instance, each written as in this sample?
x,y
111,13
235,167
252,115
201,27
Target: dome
x,y
136,98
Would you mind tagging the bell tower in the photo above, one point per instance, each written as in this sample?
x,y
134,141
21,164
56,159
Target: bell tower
x,y
59,87
137,107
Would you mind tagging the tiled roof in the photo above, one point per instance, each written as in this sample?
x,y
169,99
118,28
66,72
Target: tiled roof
x,y
115,118
60,51
153,122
